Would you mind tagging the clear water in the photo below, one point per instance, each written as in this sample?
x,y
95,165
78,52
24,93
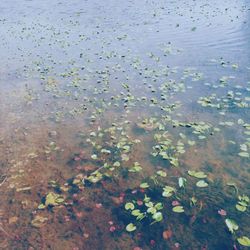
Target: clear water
x,y
89,83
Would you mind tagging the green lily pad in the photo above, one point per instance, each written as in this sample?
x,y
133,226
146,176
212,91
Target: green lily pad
x,y
201,184
157,216
151,210
178,209
241,208
144,185
159,206
244,154
231,225
94,156
244,241
41,206
53,199
195,174
129,206
136,212
168,191
130,227
135,168
117,164
182,182
161,173
125,157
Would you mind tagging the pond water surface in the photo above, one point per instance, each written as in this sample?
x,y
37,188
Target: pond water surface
x,y
125,124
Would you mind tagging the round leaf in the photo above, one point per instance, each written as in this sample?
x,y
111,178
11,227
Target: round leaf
x,y
244,241
129,206
130,227
201,184
178,209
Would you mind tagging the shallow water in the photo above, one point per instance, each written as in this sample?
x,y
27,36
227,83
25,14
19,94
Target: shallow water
x,y
97,97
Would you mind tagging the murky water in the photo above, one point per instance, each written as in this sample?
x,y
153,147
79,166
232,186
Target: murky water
x,y
124,124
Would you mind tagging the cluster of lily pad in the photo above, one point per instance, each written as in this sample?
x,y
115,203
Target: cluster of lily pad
x,y
147,209
151,210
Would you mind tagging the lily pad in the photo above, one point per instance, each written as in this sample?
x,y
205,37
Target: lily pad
x,y
151,210
130,227
125,157
136,212
94,156
144,185
201,184
244,241
157,216
182,182
161,173
129,206
53,199
195,174
231,225
168,191
178,209
41,206
244,154
241,208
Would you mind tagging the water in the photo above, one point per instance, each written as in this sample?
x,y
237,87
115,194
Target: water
x,y
117,86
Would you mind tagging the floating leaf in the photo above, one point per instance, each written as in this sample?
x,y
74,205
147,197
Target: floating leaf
x,y
117,164
125,157
168,191
161,173
231,225
144,185
201,184
182,182
94,156
241,208
157,216
244,241
244,198
41,206
159,206
178,209
136,168
195,174
191,143
130,227
244,154
53,199
151,210
136,212
146,198
129,206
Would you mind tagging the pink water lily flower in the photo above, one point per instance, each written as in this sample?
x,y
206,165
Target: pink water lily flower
x,y
175,203
222,212
112,229
111,222
98,205
139,203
